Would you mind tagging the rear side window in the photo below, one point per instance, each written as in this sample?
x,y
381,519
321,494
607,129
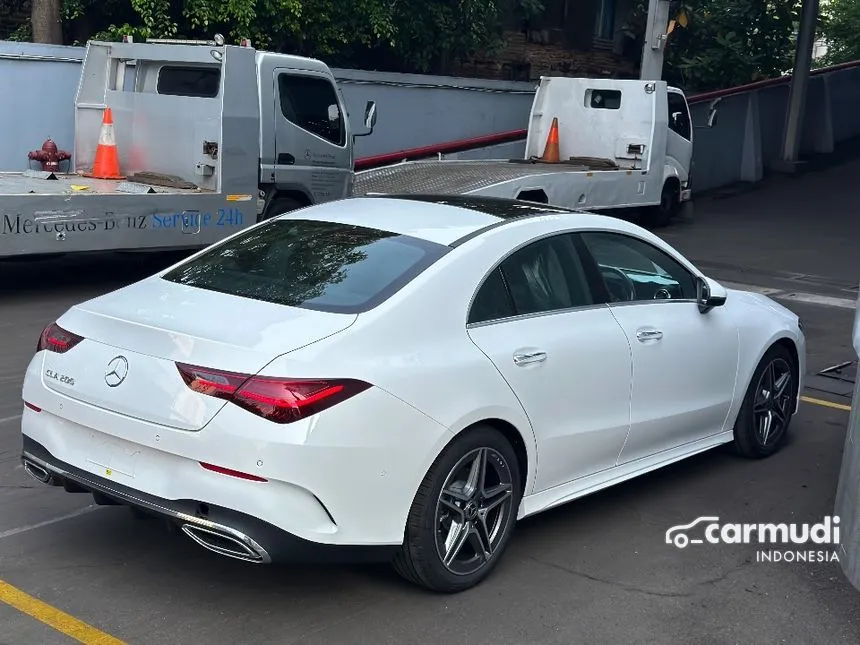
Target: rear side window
x,y
492,301
201,82
603,99
314,265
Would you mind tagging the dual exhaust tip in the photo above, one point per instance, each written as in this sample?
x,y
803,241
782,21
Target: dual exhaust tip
x,y
221,540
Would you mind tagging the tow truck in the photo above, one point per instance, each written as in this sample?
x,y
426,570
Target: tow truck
x,y
211,138
604,145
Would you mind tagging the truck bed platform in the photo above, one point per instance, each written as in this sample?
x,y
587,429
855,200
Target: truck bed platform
x,y
43,183
457,177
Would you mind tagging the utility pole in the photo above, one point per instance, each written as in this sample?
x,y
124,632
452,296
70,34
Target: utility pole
x,y
799,85
651,68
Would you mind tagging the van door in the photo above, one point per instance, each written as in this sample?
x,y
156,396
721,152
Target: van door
x,y
312,138
679,141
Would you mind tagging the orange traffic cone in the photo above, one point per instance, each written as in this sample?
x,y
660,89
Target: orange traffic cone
x,y
551,152
106,164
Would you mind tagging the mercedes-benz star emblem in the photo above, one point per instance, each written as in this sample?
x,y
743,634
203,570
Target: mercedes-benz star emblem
x,y
117,371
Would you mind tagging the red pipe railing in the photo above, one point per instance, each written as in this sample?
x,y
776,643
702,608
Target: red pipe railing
x,y
462,145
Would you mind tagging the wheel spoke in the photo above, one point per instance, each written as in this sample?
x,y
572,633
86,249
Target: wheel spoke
x,y
457,538
495,496
781,385
766,423
779,413
451,504
482,542
785,406
771,377
477,474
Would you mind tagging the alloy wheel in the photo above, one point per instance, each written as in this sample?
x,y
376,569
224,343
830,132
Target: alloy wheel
x,y
473,511
772,403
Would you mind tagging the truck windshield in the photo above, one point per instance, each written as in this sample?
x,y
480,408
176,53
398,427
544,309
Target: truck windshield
x,y
324,266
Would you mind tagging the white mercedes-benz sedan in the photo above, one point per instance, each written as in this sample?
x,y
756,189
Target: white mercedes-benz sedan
x,y
403,378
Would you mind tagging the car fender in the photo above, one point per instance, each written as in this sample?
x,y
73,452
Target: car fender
x,y
515,417
756,335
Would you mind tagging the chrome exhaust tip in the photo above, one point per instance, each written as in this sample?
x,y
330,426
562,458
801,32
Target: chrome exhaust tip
x,y
232,545
37,472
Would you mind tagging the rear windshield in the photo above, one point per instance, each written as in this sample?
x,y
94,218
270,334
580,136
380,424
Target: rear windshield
x,y
314,265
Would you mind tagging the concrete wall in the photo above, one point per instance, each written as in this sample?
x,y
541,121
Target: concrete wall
x,y
417,111
38,101
746,139
413,110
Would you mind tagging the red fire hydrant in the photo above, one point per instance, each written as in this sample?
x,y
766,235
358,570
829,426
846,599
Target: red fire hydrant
x,y
50,156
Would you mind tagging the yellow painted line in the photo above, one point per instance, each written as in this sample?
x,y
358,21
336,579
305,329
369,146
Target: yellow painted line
x,y
53,617
826,404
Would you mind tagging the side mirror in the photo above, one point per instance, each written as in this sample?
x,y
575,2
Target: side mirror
x,y
709,294
712,114
370,115
369,118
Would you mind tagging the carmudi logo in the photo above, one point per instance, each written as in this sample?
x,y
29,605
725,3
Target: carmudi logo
x,y
709,530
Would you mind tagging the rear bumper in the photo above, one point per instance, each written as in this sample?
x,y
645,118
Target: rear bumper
x,y
221,530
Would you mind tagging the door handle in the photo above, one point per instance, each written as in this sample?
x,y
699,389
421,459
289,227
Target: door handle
x,y
532,357
648,334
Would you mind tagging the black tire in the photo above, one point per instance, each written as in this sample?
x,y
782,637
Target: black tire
x,y
662,214
419,560
279,206
751,440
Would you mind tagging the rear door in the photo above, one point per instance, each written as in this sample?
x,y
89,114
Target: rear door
x,y
312,147
565,357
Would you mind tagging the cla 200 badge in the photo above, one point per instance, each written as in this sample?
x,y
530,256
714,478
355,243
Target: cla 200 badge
x,y
62,378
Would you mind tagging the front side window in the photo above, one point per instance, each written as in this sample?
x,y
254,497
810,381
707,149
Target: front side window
x,y
679,115
310,102
310,264
633,270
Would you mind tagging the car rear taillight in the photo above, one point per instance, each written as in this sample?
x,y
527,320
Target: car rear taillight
x,y
281,400
56,339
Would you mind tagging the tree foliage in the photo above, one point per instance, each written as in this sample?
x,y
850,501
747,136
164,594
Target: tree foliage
x,y
725,43
840,26
422,35
728,42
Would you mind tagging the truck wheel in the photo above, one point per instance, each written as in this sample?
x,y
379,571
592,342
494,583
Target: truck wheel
x,y
659,216
278,206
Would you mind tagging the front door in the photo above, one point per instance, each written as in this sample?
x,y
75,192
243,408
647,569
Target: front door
x,y
679,140
684,362
312,147
566,358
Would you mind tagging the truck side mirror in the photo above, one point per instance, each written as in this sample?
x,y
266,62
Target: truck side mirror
x,y
712,113
370,115
369,119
